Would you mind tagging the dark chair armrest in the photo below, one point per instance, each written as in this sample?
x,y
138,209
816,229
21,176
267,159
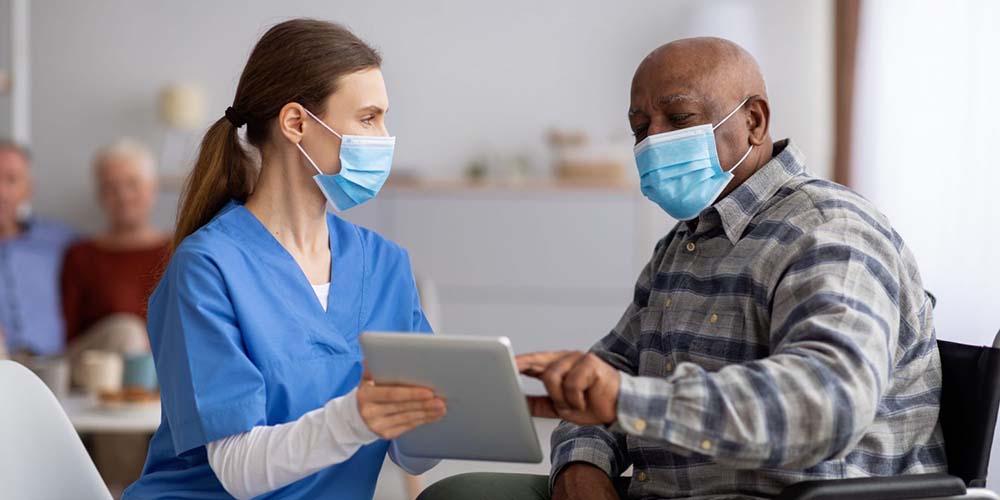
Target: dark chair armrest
x,y
876,488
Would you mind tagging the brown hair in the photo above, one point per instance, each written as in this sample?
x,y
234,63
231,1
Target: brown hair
x,y
295,61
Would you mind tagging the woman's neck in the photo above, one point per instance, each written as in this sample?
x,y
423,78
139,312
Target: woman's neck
x,y
291,207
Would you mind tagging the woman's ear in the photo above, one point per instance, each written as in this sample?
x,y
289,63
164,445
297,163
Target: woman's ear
x,y
758,120
291,121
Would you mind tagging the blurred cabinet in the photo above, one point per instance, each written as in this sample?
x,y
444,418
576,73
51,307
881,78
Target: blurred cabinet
x,y
548,266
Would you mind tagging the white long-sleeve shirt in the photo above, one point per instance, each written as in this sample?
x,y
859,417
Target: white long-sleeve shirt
x,y
269,457
266,458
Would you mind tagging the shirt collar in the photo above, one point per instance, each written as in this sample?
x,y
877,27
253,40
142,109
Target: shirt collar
x,y
738,208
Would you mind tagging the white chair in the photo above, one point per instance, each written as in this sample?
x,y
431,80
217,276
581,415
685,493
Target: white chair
x,y
41,455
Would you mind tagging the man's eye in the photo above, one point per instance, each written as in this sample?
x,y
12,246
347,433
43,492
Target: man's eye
x,y
680,117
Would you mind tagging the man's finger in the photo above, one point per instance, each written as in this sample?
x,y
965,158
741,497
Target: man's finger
x,y
542,407
534,364
579,417
577,382
553,377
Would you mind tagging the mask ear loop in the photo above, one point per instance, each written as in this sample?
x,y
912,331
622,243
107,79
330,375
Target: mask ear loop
x,y
730,115
311,162
741,159
334,132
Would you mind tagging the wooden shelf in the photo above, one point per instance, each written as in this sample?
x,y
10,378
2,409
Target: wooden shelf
x,y
174,182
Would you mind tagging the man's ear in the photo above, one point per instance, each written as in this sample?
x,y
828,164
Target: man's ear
x,y
291,121
758,120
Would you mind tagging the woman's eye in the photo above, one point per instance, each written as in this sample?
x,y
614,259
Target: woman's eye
x,y
367,120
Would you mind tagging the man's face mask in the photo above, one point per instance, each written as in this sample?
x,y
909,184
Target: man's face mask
x,y
365,162
680,171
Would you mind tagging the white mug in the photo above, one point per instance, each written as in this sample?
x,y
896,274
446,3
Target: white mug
x,y
100,371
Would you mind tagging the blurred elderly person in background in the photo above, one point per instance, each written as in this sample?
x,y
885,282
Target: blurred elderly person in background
x,y
107,279
31,250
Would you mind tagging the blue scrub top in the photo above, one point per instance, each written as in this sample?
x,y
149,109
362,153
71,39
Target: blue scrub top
x,y
240,341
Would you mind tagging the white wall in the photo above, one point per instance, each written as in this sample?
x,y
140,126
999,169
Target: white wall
x,y
5,65
462,76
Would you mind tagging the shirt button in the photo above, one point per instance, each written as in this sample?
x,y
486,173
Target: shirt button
x,y
669,301
706,445
691,246
640,425
669,366
641,476
713,319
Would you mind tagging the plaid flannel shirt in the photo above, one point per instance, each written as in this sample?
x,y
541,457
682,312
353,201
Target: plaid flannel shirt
x,y
784,335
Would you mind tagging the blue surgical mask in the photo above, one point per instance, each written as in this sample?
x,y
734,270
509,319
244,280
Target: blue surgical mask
x,y
680,171
365,162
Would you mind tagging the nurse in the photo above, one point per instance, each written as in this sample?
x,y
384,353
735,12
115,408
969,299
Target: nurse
x,y
255,323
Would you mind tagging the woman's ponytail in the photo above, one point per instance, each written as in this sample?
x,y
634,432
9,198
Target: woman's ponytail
x,y
224,171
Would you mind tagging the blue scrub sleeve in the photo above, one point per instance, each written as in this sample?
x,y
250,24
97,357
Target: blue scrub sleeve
x,y
420,323
209,386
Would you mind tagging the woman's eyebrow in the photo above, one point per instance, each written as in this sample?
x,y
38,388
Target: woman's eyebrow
x,y
374,109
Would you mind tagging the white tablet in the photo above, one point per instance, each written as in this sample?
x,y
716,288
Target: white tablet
x,y
487,416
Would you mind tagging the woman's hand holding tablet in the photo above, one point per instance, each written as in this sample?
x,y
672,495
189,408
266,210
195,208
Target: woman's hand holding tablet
x,y
392,410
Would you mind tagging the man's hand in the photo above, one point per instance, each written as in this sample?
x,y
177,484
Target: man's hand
x,y
582,388
582,480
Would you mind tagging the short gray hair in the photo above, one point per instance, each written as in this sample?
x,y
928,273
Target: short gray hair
x,y
135,152
12,145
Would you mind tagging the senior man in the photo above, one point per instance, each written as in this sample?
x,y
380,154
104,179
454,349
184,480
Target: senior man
x,y
31,252
779,333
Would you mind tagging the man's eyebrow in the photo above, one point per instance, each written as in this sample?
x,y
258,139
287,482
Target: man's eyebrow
x,y
672,98
668,100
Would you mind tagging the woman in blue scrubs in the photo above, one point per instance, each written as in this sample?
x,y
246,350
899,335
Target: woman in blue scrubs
x,y
255,323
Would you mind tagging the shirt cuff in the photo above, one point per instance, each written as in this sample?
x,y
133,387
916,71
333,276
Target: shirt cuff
x,y
646,409
344,420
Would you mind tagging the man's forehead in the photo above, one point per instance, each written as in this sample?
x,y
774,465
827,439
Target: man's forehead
x,y
11,155
13,163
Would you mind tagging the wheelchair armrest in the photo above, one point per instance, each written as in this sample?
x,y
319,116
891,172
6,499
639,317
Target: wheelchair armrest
x,y
876,488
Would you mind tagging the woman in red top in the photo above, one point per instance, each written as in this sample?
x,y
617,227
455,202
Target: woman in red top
x,y
106,280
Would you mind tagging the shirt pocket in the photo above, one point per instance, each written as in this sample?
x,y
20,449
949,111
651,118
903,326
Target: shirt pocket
x,y
711,335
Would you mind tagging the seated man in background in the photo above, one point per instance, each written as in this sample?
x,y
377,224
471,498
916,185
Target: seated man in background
x,y
107,279
31,251
106,282
780,332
